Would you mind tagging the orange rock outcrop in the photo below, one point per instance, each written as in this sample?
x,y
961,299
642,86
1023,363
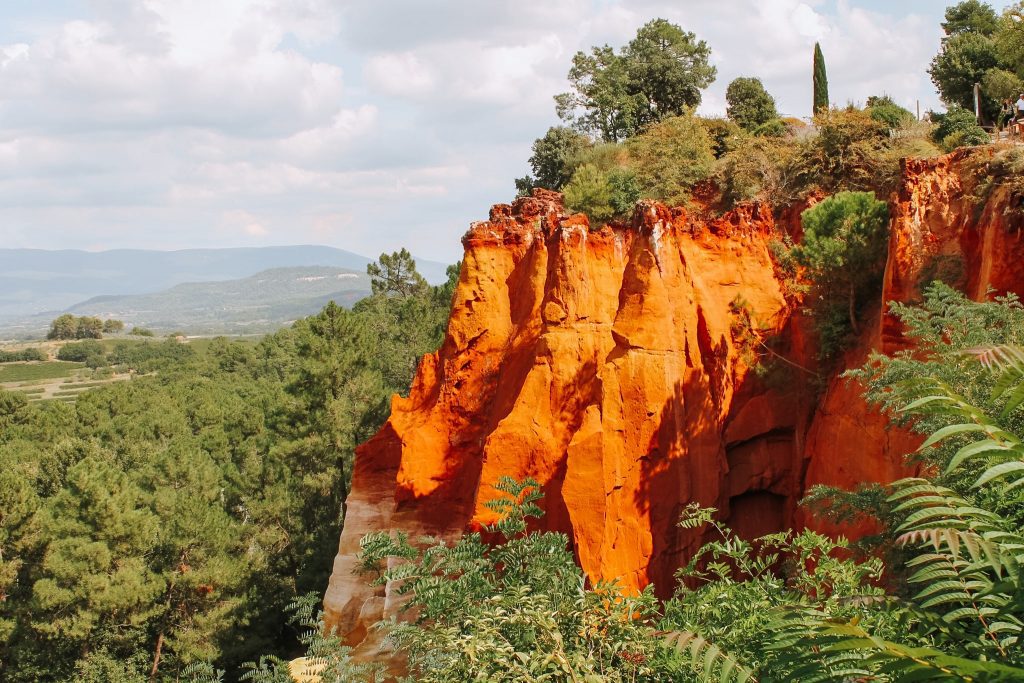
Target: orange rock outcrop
x,y
614,367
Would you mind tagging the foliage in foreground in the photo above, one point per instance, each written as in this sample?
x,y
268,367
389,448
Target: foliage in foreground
x,y
517,609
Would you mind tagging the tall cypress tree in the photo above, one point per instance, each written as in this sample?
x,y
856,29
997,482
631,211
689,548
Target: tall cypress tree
x,y
820,81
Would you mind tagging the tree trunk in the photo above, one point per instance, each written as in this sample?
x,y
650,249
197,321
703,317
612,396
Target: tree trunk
x,y
163,626
156,656
853,310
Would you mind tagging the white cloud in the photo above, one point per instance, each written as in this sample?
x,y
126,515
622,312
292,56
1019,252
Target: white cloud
x,y
244,222
400,74
371,124
211,65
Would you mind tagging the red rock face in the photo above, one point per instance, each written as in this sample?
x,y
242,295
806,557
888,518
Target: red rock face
x,y
611,366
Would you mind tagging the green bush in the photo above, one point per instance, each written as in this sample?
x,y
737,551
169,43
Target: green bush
x,y
773,128
517,609
78,352
589,192
141,332
957,127
625,191
884,110
965,138
605,156
842,253
670,157
749,104
30,354
851,151
758,168
725,134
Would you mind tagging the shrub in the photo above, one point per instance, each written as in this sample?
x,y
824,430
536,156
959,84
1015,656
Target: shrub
x,y
965,138
517,609
141,332
625,191
843,254
725,134
759,168
670,157
22,355
605,156
956,120
774,128
851,151
589,192
78,352
891,115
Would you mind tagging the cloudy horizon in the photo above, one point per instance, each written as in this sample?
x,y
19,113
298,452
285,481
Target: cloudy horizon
x,y
363,125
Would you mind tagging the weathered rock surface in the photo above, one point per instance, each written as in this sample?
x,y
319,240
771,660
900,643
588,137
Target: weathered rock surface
x,y
614,368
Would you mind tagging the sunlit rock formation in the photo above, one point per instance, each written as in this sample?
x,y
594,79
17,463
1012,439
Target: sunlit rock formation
x,y
614,367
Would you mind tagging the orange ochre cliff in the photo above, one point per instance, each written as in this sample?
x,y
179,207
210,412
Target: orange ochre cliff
x,y
614,367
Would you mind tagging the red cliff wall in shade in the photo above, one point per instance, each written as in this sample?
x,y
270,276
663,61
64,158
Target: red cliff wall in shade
x,y
612,367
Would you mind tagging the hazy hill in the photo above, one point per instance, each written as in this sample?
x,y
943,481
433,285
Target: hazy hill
x,y
34,281
254,304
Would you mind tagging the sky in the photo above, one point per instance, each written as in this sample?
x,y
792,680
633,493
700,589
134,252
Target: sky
x,y
367,125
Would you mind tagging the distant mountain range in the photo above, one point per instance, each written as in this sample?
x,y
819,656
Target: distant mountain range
x,y
36,281
254,304
198,290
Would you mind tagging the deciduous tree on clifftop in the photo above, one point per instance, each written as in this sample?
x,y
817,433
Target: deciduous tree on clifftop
x,y
660,73
749,104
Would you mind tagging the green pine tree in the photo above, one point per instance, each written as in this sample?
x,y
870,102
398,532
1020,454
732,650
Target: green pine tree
x,y
820,81
96,588
200,554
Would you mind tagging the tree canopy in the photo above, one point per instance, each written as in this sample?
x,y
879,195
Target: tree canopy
x,y
68,326
659,74
555,157
981,47
970,16
819,81
843,253
395,275
749,104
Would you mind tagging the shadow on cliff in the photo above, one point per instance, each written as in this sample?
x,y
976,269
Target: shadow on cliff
x,y
742,458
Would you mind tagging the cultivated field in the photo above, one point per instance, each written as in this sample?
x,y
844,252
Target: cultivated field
x,y
51,380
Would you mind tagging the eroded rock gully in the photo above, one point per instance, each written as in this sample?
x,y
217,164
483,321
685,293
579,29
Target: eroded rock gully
x,y
611,366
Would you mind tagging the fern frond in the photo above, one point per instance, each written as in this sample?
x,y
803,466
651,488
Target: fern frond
x,y
708,660
829,650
